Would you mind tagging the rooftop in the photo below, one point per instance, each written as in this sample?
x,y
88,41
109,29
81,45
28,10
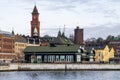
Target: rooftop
x,y
50,49
5,33
35,10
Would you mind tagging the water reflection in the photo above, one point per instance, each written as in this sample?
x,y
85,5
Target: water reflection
x,y
60,75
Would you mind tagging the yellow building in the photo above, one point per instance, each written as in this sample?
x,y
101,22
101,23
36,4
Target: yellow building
x,y
104,53
20,45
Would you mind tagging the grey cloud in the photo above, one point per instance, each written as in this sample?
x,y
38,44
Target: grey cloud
x,y
115,0
60,7
102,30
57,4
91,31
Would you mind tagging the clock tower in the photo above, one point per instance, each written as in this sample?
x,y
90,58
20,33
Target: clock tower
x,y
35,23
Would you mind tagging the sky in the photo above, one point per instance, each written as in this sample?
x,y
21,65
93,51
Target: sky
x,y
98,18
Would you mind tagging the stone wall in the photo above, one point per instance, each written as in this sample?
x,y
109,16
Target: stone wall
x,y
10,67
69,67
30,67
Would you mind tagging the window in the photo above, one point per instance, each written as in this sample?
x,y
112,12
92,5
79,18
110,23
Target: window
x,y
69,58
45,58
62,58
57,57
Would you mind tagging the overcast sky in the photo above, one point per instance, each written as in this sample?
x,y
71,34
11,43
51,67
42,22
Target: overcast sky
x,y
99,18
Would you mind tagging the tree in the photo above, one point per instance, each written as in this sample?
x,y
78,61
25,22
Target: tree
x,y
100,40
109,37
118,36
93,39
46,36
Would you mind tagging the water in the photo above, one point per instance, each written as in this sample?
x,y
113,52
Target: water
x,y
60,75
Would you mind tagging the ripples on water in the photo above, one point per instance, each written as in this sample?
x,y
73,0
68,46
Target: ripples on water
x,y
60,75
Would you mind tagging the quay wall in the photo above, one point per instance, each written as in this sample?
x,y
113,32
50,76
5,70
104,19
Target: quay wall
x,y
9,67
69,66
30,67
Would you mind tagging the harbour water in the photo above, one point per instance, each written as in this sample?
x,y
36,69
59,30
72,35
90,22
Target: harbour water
x,y
60,75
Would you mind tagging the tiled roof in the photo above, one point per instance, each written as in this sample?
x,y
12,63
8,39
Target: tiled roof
x,y
49,49
20,39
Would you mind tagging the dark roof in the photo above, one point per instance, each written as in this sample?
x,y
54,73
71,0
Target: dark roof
x,y
5,33
20,39
61,41
35,11
59,33
49,49
95,47
47,39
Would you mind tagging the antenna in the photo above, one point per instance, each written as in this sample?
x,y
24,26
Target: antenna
x,y
13,31
34,2
64,29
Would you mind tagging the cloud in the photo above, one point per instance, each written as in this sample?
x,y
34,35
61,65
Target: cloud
x,y
102,31
95,16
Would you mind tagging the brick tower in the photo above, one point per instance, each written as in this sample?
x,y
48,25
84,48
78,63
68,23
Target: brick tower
x,y
78,36
35,24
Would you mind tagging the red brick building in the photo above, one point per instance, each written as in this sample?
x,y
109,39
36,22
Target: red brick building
x,y
7,57
35,23
78,36
115,43
7,47
6,44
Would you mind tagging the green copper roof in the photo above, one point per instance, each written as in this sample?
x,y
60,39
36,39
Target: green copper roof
x,y
116,38
49,49
62,40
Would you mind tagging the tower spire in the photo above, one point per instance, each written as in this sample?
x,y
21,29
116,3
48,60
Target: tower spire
x,y
63,34
35,10
59,33
13,31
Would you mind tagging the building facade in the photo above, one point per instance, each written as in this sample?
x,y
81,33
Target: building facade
x,y
7,57
116,59
103,53
52,54
78,36
7,48
6,44
115,43
20,45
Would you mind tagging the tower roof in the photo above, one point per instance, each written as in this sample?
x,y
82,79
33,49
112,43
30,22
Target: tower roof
x,y
13,32
59,33
35,10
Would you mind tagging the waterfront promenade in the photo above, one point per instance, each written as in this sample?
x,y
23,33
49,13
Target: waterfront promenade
x,y
45,67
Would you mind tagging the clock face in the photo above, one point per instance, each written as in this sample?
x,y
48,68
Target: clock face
x,y
34,17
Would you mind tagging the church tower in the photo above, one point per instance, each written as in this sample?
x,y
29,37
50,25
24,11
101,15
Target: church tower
x,y
35,23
